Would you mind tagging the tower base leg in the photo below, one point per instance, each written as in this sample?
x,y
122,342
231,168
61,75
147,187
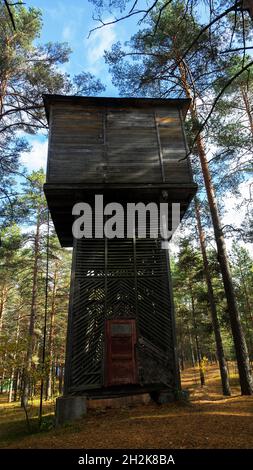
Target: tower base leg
x,y
168,396
70,409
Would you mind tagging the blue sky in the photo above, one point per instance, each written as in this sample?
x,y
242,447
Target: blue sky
x,y
71,22
65,21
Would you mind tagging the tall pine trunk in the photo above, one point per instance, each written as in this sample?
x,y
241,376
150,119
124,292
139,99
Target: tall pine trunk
x,y
241,350
247,105
193,361
3,373
6,52
248,307
16,386
13,370
244,369
60,385
199,355
215,322
30,339
3,299
51,335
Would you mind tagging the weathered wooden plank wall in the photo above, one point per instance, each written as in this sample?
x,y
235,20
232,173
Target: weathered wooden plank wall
x,y
102,144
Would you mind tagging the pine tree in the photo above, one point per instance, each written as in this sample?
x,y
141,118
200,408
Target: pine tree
x,y
160,70
26,72
35,204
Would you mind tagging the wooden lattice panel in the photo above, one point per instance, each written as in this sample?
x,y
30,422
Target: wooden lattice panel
x,y
119,279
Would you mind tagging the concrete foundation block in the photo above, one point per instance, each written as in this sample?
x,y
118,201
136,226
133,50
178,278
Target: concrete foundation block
x,y
165,397
182,395
170,395
70,409
118,402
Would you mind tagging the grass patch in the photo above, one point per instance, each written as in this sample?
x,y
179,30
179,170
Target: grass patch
x,y
13,424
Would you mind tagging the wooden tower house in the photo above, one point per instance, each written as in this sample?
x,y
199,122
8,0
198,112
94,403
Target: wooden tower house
x,y
121,327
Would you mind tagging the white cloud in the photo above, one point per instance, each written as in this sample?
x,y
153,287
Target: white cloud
x,y
67,33
235,213
37,158
99,41
57,11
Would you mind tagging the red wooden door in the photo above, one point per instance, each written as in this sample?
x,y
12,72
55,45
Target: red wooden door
x,y
120,366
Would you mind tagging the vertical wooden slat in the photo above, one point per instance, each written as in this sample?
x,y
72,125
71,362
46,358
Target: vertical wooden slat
x,y
105,152
160,152
190,172
177,380
69,339
49,159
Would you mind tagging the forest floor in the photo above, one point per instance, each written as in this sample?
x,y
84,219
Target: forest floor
x,y
209,420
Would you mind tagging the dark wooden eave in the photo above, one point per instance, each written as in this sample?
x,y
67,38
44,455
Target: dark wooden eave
x,y
62,197
182,103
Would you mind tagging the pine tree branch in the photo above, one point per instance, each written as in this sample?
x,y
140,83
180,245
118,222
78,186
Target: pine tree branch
x,y
237,49
132,12
8,6
208,26
229,82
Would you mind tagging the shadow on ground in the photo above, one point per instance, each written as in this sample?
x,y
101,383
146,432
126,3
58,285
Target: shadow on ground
x,y
209,420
